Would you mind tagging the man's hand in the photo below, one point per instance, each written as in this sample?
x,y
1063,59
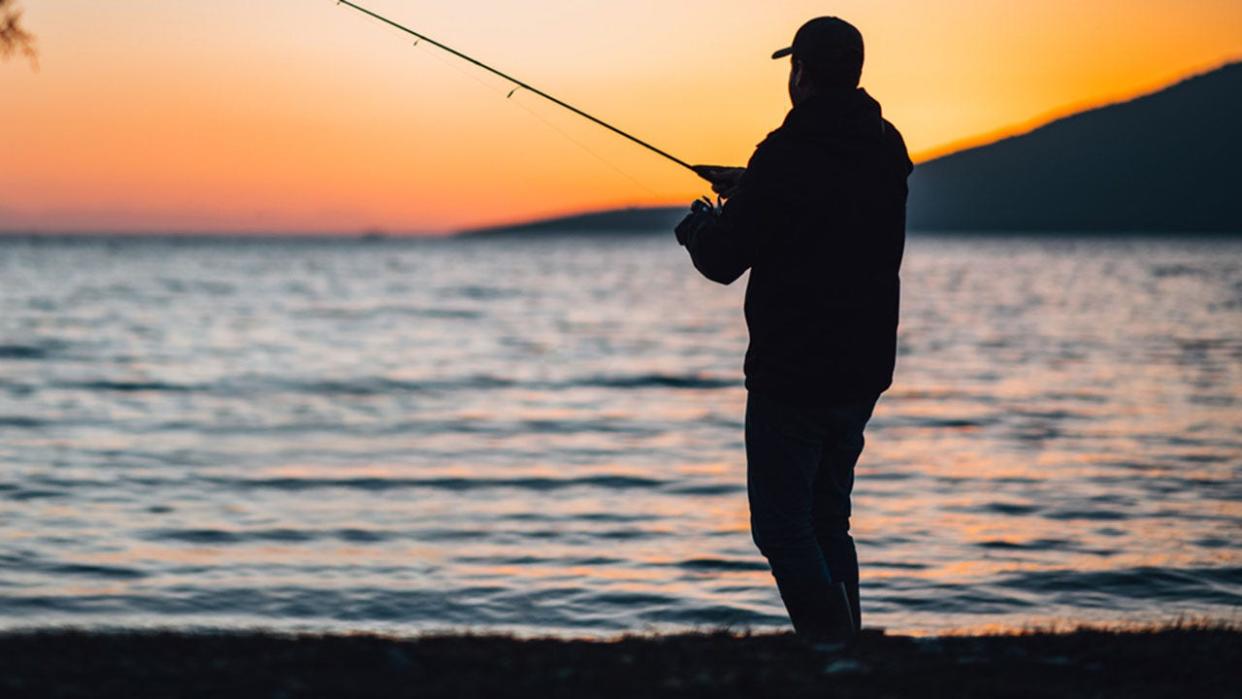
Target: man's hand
x,y
702,215
725,180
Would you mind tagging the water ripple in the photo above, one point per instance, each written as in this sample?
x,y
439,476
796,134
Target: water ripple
x,y
547,437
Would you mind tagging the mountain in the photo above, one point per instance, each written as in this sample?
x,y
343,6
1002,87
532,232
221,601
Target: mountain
x,y
1168,161
631,220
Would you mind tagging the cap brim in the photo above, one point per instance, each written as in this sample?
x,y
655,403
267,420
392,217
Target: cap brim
x,y
783,52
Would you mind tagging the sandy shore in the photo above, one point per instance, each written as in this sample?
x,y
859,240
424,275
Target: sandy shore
x,y
1179,661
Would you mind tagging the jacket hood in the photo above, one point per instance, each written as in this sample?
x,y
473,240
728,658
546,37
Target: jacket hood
x,y
849,114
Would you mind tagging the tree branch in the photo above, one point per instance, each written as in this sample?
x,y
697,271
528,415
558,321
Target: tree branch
x,y
13,36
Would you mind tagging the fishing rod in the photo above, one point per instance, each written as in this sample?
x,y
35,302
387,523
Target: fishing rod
x,y
521,85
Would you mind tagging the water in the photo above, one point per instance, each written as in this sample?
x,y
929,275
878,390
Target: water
x,y
545,437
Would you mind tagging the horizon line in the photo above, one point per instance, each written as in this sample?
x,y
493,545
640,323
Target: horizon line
x,y
925,156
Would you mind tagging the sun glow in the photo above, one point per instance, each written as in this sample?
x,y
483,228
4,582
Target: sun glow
x,y
303,116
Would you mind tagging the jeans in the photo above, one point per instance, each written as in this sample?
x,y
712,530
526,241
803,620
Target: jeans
x,y
799,474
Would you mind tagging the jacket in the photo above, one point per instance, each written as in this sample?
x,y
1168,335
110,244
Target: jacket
x,y
819,220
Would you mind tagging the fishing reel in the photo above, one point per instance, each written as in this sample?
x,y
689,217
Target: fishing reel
x,y
703,214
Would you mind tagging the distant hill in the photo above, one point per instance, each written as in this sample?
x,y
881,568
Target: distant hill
x,y
632,220
1167,161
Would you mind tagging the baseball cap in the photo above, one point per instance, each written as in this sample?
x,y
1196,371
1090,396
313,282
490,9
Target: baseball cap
x,y
824,40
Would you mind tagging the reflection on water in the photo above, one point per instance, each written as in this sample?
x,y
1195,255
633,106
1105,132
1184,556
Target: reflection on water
x,y
546,436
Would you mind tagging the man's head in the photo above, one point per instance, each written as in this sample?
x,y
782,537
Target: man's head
x,y
827,55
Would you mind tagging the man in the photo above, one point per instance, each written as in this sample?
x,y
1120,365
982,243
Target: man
x,y
818,216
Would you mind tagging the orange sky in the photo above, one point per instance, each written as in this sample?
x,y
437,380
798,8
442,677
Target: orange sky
x,y
299,115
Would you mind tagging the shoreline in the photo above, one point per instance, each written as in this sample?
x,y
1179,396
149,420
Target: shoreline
x,y
1199,659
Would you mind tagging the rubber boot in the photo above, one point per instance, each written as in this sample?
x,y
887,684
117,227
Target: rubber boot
x,y
852,592
843,626
822,618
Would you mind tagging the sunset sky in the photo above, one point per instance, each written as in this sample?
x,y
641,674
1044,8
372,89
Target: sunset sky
x,y
304,116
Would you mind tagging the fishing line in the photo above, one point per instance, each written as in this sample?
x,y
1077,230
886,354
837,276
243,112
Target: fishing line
x,y
546,122
519,84
616,168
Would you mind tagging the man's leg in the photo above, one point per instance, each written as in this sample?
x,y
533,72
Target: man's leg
x,y
783,452
834,483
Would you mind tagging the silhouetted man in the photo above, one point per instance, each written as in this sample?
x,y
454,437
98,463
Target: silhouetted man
x,y
818,216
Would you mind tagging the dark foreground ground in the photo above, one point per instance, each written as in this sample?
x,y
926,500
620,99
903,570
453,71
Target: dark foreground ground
x,y
1171,662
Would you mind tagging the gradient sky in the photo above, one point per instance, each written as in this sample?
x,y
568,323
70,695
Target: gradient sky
x,y
299,115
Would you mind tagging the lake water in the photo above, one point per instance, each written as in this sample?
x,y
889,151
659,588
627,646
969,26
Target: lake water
x,y
545,436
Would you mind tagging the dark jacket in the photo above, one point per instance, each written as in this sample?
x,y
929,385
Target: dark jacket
x,y
819,219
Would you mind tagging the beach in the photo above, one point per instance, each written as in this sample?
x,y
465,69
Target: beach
x,y
1183,661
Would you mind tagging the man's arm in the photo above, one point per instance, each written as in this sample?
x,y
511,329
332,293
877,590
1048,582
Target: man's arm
x,y
724,246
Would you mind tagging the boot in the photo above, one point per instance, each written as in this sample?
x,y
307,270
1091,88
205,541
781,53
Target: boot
x,y
841,614
852,592
822,618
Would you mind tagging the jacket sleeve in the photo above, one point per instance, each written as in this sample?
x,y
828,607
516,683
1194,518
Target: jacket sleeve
x,y
729,246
